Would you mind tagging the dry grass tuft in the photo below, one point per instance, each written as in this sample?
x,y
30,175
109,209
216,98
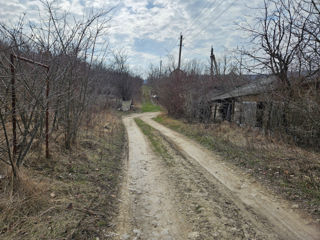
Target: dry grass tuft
x,y
21,198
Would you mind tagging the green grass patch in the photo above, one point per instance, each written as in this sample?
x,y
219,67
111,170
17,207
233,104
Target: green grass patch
x,y
155,140
150,107
146,91
147,105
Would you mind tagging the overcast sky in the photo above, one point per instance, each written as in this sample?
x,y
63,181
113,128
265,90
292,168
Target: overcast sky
x,y
149,29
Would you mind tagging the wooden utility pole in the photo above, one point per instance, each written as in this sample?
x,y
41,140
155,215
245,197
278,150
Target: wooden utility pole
x,y
213,61
160,68
211,65
179,63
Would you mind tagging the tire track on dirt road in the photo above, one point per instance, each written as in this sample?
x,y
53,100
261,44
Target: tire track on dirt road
x,y
147,211
288,223
208,206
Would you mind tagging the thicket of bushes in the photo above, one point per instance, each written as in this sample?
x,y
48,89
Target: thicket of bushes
x,y
81,83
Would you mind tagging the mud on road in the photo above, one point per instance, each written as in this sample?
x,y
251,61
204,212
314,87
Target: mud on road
x,y
195,197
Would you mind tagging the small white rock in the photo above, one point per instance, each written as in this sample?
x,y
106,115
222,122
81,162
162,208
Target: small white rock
x,y
193,235
125,237
137,232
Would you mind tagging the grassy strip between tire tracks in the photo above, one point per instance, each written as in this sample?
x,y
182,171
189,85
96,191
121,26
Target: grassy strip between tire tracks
x,y
155,140
150,107
147,104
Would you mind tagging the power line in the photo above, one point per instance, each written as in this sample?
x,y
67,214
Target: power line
x,y
198,33
205,13
207,19
175,44
201,13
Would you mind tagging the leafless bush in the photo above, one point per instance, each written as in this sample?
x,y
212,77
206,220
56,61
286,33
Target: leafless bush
x,y
77,77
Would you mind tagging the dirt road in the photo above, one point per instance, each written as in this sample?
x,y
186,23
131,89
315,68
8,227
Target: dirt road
x,y
198,196
147,200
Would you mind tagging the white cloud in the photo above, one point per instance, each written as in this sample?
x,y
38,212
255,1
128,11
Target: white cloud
x,y
157,23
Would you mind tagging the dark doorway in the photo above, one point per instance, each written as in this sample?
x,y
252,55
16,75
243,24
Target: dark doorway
x,y
260,114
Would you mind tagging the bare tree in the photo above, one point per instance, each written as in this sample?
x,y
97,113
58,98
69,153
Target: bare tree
x,y
285,43
275,38
127,85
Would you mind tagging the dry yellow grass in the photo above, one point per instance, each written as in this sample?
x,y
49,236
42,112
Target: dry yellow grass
x,y
70,196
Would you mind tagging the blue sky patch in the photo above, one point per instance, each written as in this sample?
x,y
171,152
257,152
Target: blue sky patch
x,y
150,46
